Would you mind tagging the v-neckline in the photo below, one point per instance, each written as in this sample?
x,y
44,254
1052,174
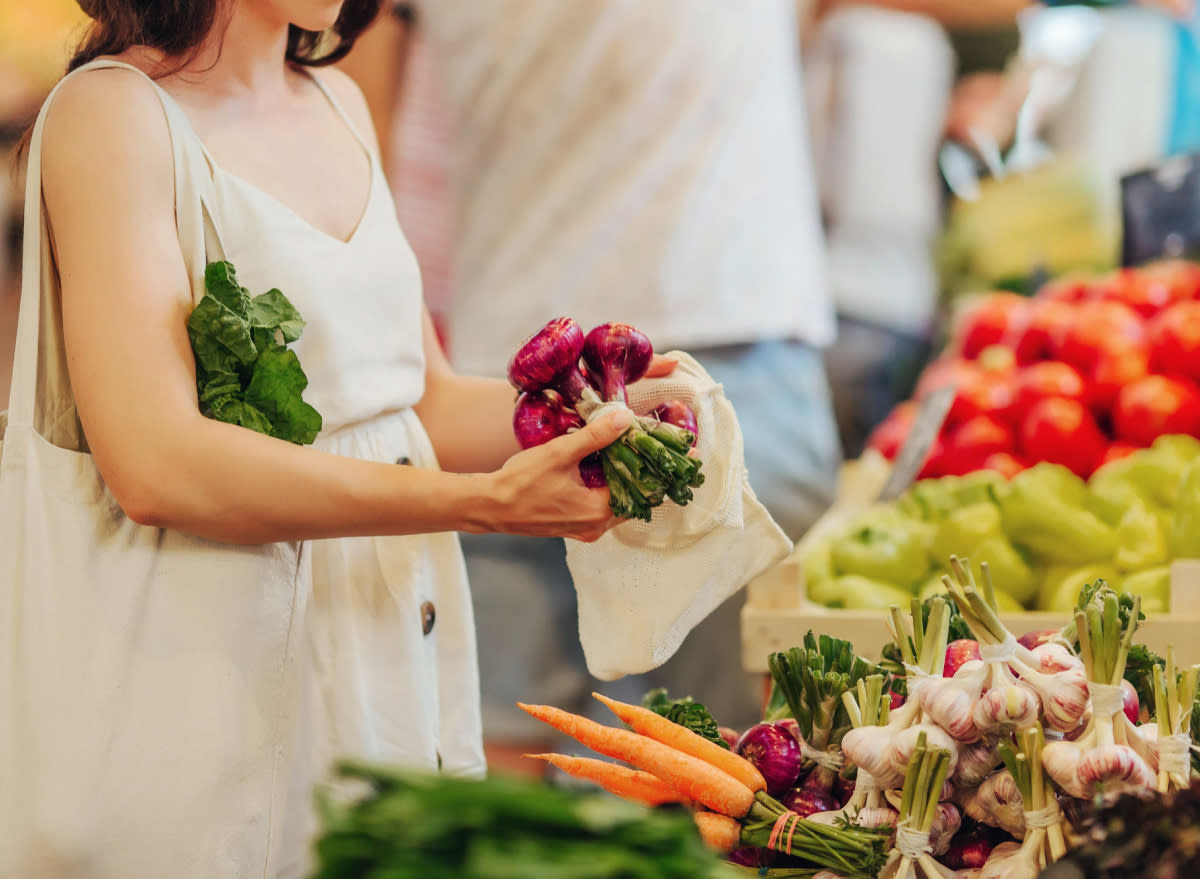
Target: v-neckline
x,y
274,200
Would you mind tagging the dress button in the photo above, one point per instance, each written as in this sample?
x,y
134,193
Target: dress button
x,y
404,460
428,615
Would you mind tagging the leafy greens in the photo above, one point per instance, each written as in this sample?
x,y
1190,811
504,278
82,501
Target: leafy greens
x,y
245,373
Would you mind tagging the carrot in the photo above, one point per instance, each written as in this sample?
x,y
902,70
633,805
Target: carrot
x,y
688,775
659,728
719,832
629,784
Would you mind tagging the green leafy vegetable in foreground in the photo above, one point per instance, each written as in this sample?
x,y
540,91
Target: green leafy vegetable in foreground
x,y
245,373
685,712
418,826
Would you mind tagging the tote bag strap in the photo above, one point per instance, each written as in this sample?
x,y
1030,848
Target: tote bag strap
x,y
198,236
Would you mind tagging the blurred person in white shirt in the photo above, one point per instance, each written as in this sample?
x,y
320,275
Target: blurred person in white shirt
x,y
642,162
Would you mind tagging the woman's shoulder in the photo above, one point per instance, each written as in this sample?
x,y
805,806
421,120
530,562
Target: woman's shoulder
x,y
105,103
105,120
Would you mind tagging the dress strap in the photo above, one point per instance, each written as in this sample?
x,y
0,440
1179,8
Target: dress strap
x,y
343,115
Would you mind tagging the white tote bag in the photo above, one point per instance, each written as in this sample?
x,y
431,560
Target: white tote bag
x,y
146,683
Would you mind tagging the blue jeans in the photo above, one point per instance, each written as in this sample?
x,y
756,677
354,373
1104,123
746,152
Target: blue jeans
x,y
525,608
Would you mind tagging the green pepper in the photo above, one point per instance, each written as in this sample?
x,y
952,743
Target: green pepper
x,y
855,592
1184,540
1112,497
1054,526
1155,472
979,487
1141,541
1009,570
1061,585
1153,585
818,572
883,548
930,500
964,529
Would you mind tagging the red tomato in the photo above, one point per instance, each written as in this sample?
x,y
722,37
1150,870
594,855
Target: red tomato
x,y
944,371
1005,463
1174,337
1115,368
997,358
1117,451
979,437
1046,320
1145,292
889,435
1097,327
1063,432
1068,288
1156,405
1049,378
987,322
983,393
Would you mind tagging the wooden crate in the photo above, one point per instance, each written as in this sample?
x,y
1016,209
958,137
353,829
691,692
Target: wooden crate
x,y
777,613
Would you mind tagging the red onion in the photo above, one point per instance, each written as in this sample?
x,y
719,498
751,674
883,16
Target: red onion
x,y
730,736
550,359
539,418
592,471
774,752
616,355
680,414
807,800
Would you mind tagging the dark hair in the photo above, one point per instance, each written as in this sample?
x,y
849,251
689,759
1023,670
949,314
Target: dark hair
x,y
177,28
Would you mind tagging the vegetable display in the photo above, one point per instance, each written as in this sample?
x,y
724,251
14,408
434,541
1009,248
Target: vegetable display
x,y
1081,374
1045,532
245,373
650,462
1005,760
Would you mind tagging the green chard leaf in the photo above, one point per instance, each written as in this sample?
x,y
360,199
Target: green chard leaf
x,y
685,712
245,374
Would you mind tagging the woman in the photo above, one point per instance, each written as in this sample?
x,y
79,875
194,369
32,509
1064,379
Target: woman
x,y
179,728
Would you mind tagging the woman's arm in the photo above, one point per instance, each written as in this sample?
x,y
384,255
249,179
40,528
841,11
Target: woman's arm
x,y
109,191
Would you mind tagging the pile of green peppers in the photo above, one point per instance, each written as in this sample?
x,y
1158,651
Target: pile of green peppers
x,y
1043,534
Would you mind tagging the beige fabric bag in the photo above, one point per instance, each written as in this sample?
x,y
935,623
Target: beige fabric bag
x,y
130,748
644,586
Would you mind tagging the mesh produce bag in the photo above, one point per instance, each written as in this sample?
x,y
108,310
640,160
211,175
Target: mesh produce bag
x,y
644,586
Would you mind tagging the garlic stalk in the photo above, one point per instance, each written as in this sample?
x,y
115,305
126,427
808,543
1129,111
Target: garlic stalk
x,y
1112,755
911,858
1043,837
1174,696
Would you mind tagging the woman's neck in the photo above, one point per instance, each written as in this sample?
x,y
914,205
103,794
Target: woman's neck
x,y
243,56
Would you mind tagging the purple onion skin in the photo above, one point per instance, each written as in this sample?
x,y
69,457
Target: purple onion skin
x,y
616,355
805,801
967,854
680,414
550,359
843,790
774,752
537,419
790,724
751,857
592,471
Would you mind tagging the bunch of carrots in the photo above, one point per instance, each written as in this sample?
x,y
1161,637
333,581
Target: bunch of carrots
x,y
670,764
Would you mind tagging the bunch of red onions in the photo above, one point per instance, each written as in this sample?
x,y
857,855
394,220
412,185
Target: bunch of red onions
x,y
650,461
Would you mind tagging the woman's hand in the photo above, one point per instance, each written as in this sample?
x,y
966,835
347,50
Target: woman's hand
x,y
540,493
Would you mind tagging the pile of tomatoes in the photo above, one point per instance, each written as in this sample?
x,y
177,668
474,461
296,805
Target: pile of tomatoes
x,y
1084,372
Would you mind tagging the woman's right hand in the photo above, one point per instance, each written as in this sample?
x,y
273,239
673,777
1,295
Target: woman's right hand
x,y
539,491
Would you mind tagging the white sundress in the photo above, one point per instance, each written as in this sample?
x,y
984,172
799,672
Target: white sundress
x,y
368,653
